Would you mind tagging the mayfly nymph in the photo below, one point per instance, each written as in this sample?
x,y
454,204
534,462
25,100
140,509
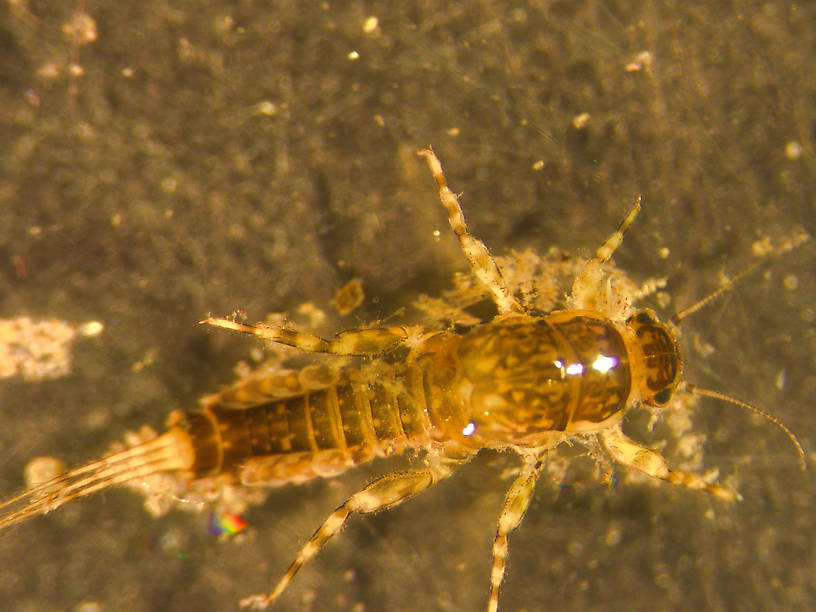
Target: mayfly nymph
x,y
522,382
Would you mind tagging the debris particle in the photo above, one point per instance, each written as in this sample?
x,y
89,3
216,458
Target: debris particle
x,y
316,315
37,350
49,70
76,70
780,380
761,247
613,536
19,266
793,150
43,469
266,108
81,28
169,184
642,61
701,347
31,97
146,361
91,329
371,26
663,299
349,297
579,122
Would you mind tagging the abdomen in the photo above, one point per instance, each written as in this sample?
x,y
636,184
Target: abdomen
x,y
376,411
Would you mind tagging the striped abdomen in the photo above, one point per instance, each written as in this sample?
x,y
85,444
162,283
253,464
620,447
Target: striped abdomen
x,y
376,411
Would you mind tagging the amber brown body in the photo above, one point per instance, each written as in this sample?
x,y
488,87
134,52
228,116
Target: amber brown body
x,y
501,384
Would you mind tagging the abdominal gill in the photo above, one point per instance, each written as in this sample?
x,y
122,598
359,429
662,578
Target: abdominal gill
x,y
171,451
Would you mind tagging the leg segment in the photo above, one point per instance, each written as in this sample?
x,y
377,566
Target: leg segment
x,y
588,291
606,250
481,262
515,505
367,341
632,454
385,492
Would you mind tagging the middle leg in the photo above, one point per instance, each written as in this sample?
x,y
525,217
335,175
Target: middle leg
x,y
515,505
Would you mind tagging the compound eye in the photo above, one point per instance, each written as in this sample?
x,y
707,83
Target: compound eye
x,y
644,317
661,398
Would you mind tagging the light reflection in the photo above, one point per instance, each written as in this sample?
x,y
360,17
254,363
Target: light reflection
x,y
469,429
574,369
604,363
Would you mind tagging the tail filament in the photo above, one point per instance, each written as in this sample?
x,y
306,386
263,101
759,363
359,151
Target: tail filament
x,y
167,452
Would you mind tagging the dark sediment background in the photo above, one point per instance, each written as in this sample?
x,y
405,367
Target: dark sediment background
x,y
254,156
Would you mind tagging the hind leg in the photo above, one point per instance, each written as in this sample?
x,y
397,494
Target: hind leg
x,y
385,492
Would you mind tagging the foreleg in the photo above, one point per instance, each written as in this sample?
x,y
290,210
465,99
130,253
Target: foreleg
x,y
481,261
588,291
633,455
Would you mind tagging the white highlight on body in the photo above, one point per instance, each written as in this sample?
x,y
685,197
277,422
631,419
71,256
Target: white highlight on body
x,y
574,369
604,363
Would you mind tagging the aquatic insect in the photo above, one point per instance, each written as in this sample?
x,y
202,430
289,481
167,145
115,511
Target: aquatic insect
x,y
524,382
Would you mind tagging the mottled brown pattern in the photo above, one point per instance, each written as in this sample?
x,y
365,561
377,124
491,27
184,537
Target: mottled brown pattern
x,y
543,373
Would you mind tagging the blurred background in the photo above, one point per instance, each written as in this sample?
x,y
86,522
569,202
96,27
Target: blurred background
x,y
165,160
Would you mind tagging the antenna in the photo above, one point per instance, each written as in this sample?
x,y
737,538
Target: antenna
x,y
788,245
695,390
